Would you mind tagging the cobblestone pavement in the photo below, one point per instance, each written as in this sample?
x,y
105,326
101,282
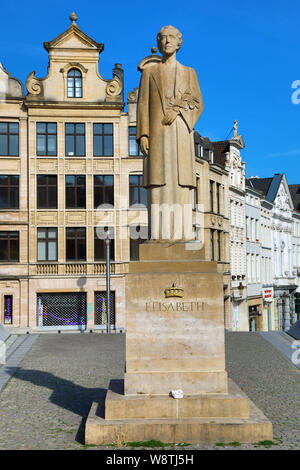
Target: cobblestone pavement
x,y
46,402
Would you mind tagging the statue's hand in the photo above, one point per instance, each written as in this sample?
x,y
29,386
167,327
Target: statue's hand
x,y
144,144
169,117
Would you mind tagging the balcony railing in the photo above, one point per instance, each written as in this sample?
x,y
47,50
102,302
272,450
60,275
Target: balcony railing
x,y
47,269
77,269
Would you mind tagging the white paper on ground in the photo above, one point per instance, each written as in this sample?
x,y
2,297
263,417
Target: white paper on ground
x,y
177,393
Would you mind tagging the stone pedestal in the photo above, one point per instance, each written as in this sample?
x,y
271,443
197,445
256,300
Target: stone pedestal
x,y
174,335
175,340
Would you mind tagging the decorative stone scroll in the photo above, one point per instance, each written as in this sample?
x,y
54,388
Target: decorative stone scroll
x,y
114,87
33,84
132,96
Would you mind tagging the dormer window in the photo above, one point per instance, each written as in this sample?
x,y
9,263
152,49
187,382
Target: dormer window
x,y
74,84
199,150
211,156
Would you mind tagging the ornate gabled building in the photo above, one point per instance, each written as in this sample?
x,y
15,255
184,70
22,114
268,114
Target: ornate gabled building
x,y
61,158
276,191
228,153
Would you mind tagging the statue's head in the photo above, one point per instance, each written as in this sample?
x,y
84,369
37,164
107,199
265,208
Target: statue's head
x,y
169,40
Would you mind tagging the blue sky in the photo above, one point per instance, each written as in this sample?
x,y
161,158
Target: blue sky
x,y
246,55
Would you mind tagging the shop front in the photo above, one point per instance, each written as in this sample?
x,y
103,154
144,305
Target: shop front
x,y
268,309
255,314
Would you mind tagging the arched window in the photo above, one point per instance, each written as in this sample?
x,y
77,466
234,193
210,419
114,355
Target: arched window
x,y
74,84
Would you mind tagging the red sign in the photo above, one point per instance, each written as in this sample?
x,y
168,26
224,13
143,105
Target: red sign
x,y
268,295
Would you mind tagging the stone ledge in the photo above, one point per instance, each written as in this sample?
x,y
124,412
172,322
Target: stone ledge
x,y
161,383
119,406
193,430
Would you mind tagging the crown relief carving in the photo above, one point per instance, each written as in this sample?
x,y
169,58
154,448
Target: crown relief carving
x,y
174,291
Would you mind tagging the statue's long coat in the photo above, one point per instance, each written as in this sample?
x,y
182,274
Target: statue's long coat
x,y
152,105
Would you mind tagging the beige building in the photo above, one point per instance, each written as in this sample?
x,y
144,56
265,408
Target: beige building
x,y
70,170
228,153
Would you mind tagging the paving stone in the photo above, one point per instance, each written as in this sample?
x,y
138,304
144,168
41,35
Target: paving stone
x,y
46,402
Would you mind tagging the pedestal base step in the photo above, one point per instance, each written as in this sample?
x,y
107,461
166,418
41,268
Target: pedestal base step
x,y
255,427
210,405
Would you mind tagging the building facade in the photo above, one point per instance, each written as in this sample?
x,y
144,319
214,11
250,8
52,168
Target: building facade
x,y
276,191
260,292
253,254
228,153
269,320
295,195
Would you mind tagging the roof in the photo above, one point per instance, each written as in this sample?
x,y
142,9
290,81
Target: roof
x,y
295,195
220,149
262,184
74,30
268,186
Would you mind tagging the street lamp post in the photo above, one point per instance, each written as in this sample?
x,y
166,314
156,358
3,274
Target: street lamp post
x,y
107,243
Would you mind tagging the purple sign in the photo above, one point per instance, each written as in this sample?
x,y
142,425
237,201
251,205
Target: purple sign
x,y
7,309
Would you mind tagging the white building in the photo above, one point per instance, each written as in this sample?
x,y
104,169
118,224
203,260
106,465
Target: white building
x,y
295,194
276,191
268,308
253,254
260,292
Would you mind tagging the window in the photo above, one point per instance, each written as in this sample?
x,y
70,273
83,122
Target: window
x,y
74,84
9,246
199,150
46,138
9,138
100,245
211,156
257,268
9,192
64,309
75,139
248,267
47,244
247,227
219,245
46,191
103,190
218,198
212,245
133,145
196,193
75,192
101,308
103,140
137,194
138,234
253,270
211,183
75,244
